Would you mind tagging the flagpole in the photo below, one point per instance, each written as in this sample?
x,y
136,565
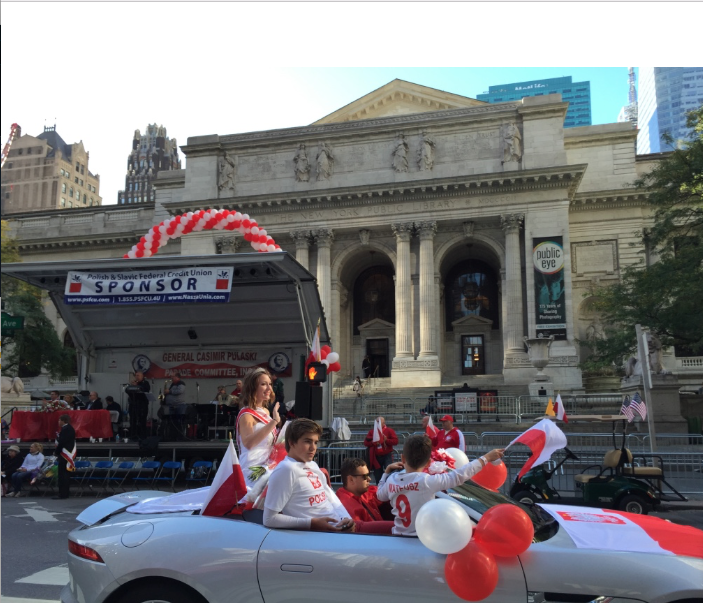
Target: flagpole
x,y
643,353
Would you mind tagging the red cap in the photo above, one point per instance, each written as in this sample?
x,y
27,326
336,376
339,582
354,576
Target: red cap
x,y
447,418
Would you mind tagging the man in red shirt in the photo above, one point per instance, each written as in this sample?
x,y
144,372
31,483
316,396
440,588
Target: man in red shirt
x,y
359,497
380,441
447,437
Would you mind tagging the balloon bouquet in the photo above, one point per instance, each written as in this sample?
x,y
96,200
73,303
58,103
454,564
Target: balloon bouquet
x,y
203,219
445,528
329,359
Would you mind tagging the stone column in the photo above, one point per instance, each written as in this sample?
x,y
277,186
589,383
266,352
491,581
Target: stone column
x,y
302,241
324,238
428,313
403,317
511,224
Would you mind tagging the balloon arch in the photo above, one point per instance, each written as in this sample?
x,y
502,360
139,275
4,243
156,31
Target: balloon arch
x,y
203,219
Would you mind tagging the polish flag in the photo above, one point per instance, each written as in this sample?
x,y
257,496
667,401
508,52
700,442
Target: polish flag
x,y
377,432
431,430
316,352
560,410
543,439
227,488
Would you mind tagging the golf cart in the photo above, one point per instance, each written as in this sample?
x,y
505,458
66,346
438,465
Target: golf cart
x,y
615,483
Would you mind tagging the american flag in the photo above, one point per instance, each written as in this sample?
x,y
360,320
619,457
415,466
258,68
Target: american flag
x,y
637,405
627,410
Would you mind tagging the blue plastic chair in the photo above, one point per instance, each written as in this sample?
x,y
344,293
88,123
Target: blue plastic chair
x,y
82,471
117,478
153,470
175,468
202,471
101,478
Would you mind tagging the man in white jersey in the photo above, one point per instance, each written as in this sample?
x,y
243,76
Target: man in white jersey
x,y
298,496
411,489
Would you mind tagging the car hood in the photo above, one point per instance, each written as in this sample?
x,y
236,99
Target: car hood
x,y
109,506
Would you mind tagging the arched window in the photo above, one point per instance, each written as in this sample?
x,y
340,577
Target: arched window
x,y
471,288
374,296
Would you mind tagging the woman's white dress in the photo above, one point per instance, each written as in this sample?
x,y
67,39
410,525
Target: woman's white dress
x,y
257,456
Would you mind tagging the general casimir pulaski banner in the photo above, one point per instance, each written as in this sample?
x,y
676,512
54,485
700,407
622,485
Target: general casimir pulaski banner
x,y
211,364
149,286
550,299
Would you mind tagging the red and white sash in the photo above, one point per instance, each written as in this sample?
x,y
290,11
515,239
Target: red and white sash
x,y
70,458
259,416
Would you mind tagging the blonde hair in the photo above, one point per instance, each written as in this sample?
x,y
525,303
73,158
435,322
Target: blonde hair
x,y
38,445
251,381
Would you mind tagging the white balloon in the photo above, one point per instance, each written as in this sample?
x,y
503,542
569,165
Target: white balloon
x,y
325,362
255,230
332,356
443,526
262,231
238,216
271,248
458,455
230,218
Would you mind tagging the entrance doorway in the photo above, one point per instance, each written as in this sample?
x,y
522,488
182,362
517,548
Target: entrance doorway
x,y
377,350
473,360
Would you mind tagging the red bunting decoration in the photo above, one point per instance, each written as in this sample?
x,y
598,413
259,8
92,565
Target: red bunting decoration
x,y
210,219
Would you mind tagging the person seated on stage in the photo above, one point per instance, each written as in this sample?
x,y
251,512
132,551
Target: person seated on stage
x,y
298,496
11,462
29,469
54,403
223,397
111,405
447,437
359,497
175,395
237,391
73,402
412,488
94,402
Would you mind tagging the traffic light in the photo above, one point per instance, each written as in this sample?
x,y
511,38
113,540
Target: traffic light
x,y
317,372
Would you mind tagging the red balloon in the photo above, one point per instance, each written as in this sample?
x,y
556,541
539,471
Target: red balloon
x,y
246,223
177,219
505,530
125,256
334,367
140,245
324,350
472,573
491,476
237,223
139,253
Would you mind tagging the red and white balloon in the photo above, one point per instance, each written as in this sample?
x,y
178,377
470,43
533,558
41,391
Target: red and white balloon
x,y
203,219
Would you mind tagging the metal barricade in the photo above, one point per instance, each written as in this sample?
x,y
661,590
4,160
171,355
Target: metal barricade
x,y
575,404
680,441
331,459
397,409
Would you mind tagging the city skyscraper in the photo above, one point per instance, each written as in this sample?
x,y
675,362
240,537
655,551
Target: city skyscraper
x,y
44,172
152,152
578,95
665,95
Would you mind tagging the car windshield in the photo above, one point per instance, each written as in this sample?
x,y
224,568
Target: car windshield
x,y
480,500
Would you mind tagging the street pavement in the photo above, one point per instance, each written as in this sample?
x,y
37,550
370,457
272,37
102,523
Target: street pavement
x,y
35,535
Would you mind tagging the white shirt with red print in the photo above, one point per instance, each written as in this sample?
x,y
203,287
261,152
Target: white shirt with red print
x,y
409,491
300,490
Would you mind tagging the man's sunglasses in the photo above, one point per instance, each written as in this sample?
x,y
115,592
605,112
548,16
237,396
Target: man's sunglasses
x,y
364,475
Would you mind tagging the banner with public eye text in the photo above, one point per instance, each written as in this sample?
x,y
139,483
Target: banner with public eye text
x,y
196,285
550,293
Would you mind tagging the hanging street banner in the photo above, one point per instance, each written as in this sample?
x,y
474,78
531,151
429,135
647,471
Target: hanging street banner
x,y
195,285
211,364
550,302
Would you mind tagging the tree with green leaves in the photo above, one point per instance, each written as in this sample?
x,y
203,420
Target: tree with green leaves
x,y
37,346
665,296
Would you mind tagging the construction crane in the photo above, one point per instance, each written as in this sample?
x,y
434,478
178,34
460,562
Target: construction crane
x,y
631,109
15,132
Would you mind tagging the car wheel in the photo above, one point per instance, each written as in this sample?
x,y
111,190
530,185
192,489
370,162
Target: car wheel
x,y
160,593
526,497
633,503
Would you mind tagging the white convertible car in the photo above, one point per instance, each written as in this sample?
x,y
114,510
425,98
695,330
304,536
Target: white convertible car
x,y
125,555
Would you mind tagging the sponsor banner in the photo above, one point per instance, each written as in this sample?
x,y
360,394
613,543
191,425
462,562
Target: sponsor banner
x,y
149,287
550,298
211,364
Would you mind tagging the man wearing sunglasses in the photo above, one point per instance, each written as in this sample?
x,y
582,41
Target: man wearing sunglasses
x,y
359,498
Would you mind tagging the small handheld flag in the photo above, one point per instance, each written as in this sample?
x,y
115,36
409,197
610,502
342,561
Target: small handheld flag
x,y
560,410
626,410
637,405
228,487
543,439
550,409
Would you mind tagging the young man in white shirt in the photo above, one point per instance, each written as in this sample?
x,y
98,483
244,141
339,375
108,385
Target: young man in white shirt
x,y
298,496
409,490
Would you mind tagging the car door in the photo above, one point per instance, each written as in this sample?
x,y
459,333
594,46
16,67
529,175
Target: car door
x,y
355,568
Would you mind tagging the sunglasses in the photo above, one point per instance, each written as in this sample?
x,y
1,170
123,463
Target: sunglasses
x,y
366,476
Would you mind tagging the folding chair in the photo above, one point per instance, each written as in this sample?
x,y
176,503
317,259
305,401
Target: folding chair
x,y
116,478
153,470
200,471
101,478
82,471
175,468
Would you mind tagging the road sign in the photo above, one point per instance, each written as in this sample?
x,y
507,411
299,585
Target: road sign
x,y
10,324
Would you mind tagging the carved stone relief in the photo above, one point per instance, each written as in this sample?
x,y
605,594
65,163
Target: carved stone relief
x,y
400,154
325,162
512,143
425,154
225,179
302,166
364,236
